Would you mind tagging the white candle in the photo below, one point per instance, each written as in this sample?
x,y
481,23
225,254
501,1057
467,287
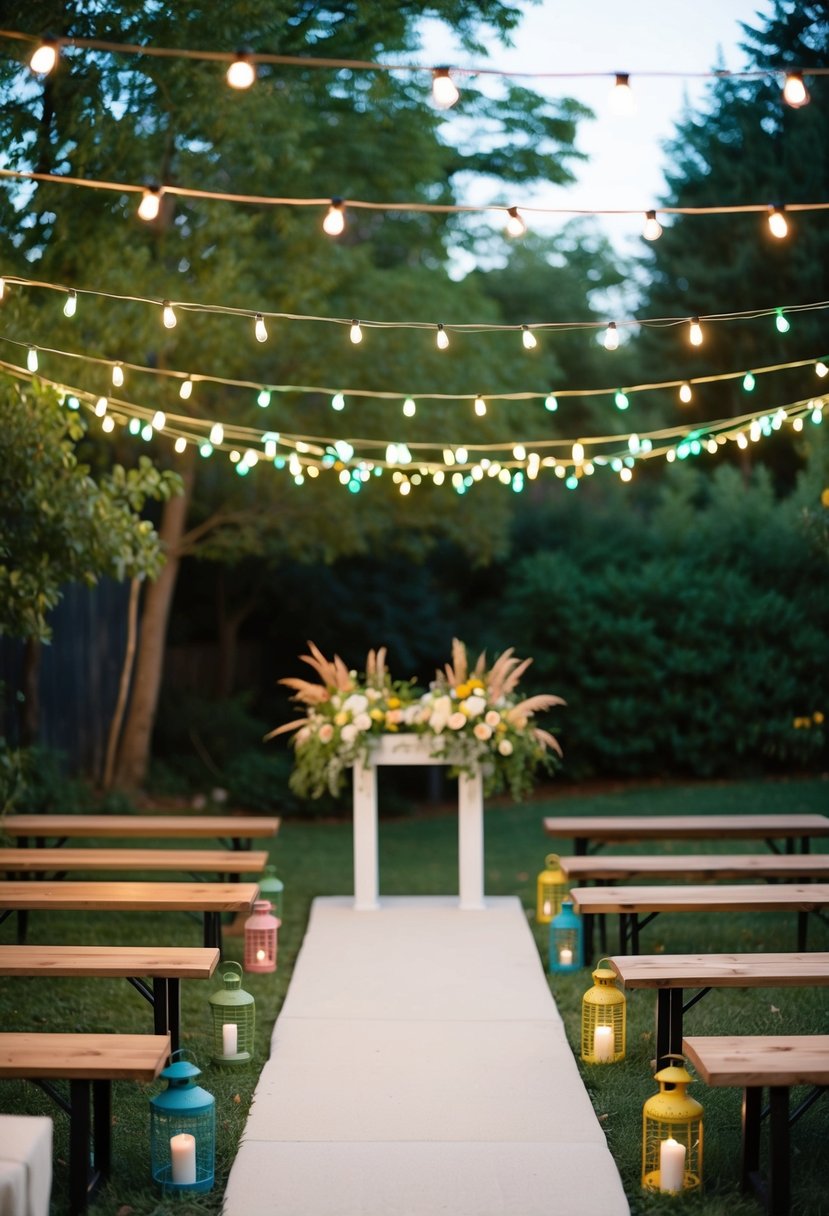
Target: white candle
x,y
603,1044
671,1165
547,907
565,956
260,956
230,1039
183,1157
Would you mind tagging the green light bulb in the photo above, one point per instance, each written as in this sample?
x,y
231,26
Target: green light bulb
x,y
781,322
749,382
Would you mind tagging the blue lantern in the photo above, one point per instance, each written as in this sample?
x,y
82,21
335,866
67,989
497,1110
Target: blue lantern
x,y
566,940
183,1130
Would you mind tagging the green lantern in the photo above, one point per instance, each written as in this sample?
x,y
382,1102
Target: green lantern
x,y
234,1013
272,889
183,1130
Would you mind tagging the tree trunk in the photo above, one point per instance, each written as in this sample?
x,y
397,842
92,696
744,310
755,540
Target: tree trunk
x,y
134,751
30,687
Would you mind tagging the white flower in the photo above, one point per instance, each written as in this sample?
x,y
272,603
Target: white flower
x,y
481,731
325,733
373,694
411,714
356,703
349,732
474,705
302,736
457,721
441,709
492,717
505,747
362,722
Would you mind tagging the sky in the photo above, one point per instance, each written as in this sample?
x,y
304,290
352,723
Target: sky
x,y
626,162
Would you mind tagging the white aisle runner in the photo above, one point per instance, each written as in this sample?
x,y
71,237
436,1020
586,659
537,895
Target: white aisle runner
x,y
420,1067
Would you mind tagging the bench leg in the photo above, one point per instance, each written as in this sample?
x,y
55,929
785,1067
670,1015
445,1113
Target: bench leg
x,y
213,930
750,1154
80,1129
102,1129
174,1012
668,1024
778,1204
802,927
587,923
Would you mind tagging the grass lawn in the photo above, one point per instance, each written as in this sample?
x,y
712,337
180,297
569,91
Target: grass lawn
x,y
419,856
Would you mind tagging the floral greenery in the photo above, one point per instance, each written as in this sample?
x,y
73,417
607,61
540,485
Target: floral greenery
x,y
472,716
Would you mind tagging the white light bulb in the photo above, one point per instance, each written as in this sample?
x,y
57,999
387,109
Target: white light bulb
x,y
685,393
117,374
71,305
101,406
241,73
409,407
334,221
551,403
621,399
444,90
44,57
356,333
528,338
795,92
108,423
263,398
159,420
611,336
150,204
31,359
186,389
622,101
578,453
2,288
442,338
259,329
821,368
653,229
180,444
695,332
480,406
515,224
338,402
168,316
217,434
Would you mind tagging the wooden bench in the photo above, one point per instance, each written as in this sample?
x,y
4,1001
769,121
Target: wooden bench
x,y
671,974
165,965
605,828
90,1063
637,906
596,868
754,1062
211,899
194,861
238,830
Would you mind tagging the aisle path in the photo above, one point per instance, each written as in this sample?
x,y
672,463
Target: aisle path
x,y
420,1067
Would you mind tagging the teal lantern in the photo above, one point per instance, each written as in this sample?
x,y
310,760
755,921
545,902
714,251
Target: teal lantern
x,y
234,1013
182,1130
566,939
272,889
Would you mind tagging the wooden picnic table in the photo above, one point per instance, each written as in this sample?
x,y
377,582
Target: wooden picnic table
x,y
211,899
614,868
196,861
604,828
238,829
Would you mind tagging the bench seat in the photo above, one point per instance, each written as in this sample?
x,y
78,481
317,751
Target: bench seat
x,y
235,828
690,866
605,828
194,861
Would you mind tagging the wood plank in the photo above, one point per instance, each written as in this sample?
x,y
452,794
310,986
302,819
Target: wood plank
x,y
117,1057
154,826
697,865
686,827
804,897
117,962
224,861
759,1060
129,896
722,970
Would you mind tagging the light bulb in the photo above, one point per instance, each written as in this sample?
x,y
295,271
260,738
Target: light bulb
x,y
259,329
159,420
444,90
621,400
409,407
217,434
71,305
168,316
821,368
781,321
150,204
653,229
108,423
795,92
31,359
2,288
44,57
442,338
528,338
749,382
263,398
338,402
578,453
356,333
186,389
778,225
622,101
611,336
515,224
695,332
334,221
685,393
241,73
101,406
118,374
550,403
180,444
480,406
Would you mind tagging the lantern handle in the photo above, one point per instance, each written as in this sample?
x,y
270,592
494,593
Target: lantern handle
x,y
183,1052
231,962
551,859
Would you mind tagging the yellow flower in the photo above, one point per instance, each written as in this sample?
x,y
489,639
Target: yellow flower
x,y
341,718
476,683
393,702
376,715
463,690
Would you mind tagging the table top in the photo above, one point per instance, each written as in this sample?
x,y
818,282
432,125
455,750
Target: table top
x,y
722,970
757,1060
714,897
696,865
117,1057
129,896
117,962
221,861
234,826
685,827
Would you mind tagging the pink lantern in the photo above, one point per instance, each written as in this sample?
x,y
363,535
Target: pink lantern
x,y
260,938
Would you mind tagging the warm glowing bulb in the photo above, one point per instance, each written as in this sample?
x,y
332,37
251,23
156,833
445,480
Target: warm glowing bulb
x,y
578,452
356,333
781,321
653,229
241,73
685,393
334,221
31,359
71,305
622,101
795,92
528,338
338,402
442,338
695,332
259,330
108,423
778,225
515,224
101,406
150,204
480,406
263,398
444,90
180,444
409,407
117,374
217,434
186,389
611,336
159,420
821,368
2,288
44,57
168,316
260,956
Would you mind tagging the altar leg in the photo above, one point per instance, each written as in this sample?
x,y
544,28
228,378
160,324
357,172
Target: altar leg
x,y
366,864
471,841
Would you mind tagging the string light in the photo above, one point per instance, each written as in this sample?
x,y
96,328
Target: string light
x,y
150,204
781,321
749,382
242,73
338,402
441,338
778,225
180,444
45,56
409,407
217,434
551,403
528,338
159,420
260,331
652,230
821,368
118,375
515,224
101,406
263,398
621,400
71,305
356,333
444,89
622,101
31,359
611,336
107,423
2,288
685,393
795,92
168,316
695,332
480,407
334,222
186,390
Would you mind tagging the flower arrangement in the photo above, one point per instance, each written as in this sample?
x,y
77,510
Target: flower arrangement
x,y
472,716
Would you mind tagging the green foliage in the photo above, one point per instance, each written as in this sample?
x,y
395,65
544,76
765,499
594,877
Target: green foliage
x,y
34,780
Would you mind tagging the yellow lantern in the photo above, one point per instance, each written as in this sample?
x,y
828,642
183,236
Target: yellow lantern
x,y
552,888
672,1133
603,1011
